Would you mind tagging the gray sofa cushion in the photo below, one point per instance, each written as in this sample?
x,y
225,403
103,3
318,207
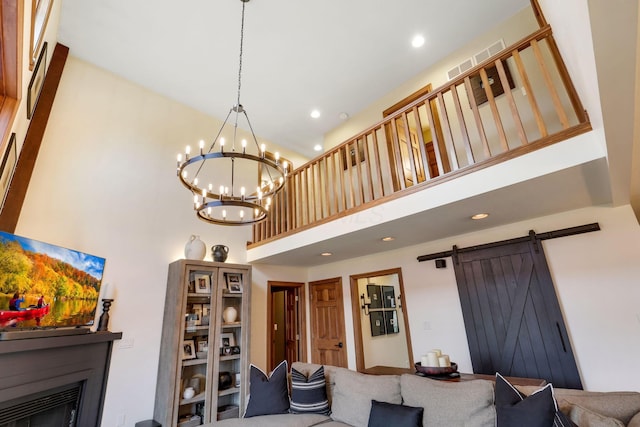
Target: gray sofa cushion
x,y
622,405
466,403
280,420
353,393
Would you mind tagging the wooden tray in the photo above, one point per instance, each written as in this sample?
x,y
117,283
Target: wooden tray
x,y
433,370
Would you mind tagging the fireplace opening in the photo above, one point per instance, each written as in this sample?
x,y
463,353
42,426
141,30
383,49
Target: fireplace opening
x,y
50,408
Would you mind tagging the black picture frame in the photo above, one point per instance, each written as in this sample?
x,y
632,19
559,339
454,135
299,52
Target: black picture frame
x,y
37,81
388,297
376,318
375,296
391,322
8,167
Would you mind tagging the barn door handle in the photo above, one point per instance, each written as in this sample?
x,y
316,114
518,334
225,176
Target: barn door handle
x,y
339,345
564,347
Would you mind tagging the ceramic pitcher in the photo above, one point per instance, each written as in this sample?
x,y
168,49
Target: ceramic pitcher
x,y
219,253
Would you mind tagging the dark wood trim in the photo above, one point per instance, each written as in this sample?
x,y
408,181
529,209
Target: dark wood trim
x,y
587,228
31,146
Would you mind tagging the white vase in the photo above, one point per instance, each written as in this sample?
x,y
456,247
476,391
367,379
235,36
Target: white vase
x,y
188,393
229,315
195,248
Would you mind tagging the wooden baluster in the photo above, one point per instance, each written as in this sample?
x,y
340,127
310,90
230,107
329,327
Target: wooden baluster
x,y
494,109
476,115
449,143
349,176
359,178
397,154
367,156
376,152
421,144
531,97
549,82
436,139
463,126
412,162
512,104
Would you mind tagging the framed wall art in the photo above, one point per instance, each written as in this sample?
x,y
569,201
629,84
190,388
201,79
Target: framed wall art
x,y
8,166
37,80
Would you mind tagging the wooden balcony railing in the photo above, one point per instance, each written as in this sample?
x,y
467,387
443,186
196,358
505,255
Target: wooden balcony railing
x,y
517,101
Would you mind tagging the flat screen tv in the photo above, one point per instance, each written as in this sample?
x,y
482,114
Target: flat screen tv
x,y
46,287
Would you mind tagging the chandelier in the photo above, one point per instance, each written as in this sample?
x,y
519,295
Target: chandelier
x,y
233,184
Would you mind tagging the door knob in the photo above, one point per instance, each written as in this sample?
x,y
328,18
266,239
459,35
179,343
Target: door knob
x,y
339,345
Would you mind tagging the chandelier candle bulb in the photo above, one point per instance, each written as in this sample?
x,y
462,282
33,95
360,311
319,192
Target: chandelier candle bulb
x,y
263,148
201,146
241,214
224,214
242,192
244,145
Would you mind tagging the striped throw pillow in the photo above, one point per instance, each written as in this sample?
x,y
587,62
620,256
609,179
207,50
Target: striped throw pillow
x,y
309,395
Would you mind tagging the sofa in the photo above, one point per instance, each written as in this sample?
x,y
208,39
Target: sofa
x,y
353,396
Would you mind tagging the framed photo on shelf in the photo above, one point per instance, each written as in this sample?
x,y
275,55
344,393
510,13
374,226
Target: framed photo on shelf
x,y
227,339
197,310
203,345
202,283
188,350
234,282
37,80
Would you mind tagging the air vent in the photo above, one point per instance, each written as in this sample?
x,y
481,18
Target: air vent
x,y
459,69
489,51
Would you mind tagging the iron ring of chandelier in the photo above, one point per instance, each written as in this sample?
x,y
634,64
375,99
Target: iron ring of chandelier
x,y
259,202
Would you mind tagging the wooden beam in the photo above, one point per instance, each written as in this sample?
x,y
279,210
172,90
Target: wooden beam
x,y
32,141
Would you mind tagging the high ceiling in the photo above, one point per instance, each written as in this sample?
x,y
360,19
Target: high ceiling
x,y
336,56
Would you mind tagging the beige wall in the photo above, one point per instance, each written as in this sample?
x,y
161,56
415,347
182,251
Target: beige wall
x,y
104,183
595,275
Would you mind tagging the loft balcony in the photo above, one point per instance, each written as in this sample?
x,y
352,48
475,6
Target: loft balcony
x,y
509,127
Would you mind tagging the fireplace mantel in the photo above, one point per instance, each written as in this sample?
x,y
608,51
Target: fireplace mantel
x,y
30,366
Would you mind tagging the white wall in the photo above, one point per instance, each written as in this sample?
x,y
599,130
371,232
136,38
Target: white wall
x,y
595,274
105,183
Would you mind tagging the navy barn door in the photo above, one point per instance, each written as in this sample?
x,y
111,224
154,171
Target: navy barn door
x,y
511,313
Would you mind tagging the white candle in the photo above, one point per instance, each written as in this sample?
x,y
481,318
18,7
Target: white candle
x,y
437,351
424,360
444,361
107,292
432,359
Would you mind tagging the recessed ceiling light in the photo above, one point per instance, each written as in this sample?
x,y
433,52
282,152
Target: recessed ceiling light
x,y
315,114
417,41
317,147
388,239
326,254
480,216
343,116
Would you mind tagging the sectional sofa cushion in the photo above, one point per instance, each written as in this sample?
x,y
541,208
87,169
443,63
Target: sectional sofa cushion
x,y
385,414
268,395
468,403
309,394
622,405
354,391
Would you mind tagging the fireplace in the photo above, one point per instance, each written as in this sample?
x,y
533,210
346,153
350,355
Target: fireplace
x,y
54,381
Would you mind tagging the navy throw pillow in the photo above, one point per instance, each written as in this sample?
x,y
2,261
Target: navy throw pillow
x,y
268,395
385,414
514,409
309,395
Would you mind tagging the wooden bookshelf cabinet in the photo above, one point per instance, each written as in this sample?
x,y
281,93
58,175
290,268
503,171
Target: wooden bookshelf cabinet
x,y
199,348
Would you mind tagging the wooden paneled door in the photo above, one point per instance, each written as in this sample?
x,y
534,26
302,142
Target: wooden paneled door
x,y
511,313
328,346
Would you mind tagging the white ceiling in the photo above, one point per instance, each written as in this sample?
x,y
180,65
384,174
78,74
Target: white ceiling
x,y
333,55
